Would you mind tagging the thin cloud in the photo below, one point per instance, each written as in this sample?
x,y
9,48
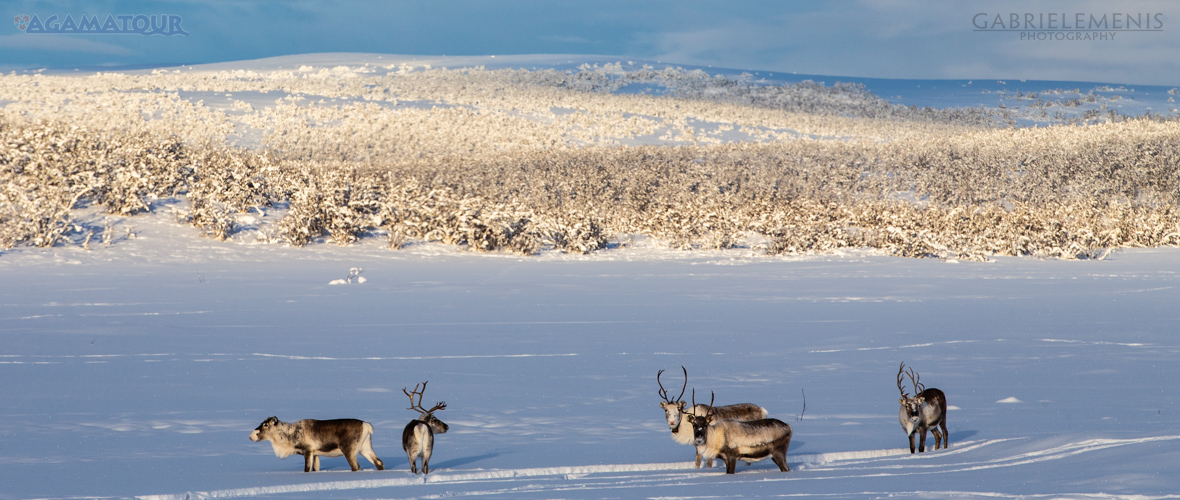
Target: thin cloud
x,y
563,39
62,43
909,39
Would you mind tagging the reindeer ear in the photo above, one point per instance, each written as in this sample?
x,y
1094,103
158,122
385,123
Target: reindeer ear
x,y
901,400
680,404
921,400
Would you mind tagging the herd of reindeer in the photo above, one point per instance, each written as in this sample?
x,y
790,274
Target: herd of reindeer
x,y
732,433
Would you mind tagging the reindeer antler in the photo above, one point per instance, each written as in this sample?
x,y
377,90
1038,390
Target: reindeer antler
x,y
664,392
441,405
712,396
900,372
915,379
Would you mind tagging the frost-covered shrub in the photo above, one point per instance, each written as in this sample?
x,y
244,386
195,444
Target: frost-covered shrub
x,y
211,217
46,169
572,234
523,161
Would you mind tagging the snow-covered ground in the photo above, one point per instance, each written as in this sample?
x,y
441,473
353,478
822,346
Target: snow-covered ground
x,y
138,369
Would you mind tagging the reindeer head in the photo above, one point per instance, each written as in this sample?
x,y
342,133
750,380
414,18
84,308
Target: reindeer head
x,y
700,425
911,407
424,415
263,431
673,408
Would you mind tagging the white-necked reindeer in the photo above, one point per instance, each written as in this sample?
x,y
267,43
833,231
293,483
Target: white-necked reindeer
x,y
925,411
748,441
675,412
418,437
345,437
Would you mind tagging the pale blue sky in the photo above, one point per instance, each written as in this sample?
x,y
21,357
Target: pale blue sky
x,y
866,38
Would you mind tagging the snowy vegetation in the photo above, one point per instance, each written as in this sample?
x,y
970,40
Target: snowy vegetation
x,y
524,161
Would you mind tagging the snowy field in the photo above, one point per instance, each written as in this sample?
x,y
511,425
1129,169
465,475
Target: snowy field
x,y
138,369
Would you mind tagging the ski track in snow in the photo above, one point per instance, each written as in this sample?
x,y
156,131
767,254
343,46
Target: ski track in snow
x,y
836,466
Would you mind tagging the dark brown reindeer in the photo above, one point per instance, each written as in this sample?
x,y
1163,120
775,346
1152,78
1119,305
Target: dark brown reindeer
x,y
925,411
675,412
418,437
313,438
733,440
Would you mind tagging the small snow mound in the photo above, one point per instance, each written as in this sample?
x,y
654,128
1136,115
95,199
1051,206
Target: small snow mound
x,y
1010,399
354,276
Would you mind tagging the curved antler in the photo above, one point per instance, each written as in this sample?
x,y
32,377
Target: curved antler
x,y
441,405
915,378
664,392
900,372
712,396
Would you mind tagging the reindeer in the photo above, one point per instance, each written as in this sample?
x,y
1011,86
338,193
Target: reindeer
x,y
681,427
926,410
748,441
313,438
418,437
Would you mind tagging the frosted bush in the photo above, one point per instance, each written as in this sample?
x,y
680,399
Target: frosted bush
x,y
526,161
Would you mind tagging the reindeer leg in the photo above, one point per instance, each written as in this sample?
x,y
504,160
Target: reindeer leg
x,y
368,453
780,459
708,461
350,455
731,464
309,462
911,443
786,445
426,448
922,443
946,435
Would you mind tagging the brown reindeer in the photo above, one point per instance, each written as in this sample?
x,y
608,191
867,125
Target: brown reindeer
x,y
418,436
925,411
675,412
313,438
733,440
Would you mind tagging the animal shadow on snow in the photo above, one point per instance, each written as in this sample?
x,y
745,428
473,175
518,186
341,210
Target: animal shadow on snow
x,y
456,462
960,436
